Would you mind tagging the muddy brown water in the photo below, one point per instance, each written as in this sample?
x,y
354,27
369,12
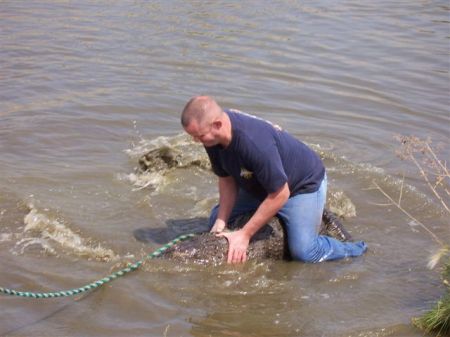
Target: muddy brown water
x,y
88,87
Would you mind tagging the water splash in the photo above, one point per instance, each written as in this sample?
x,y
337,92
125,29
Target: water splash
x,y
153,169
180,141
4,237
53,237
340,204
152,180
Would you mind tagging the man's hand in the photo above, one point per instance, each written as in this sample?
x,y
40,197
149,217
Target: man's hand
x,y
238,242
218,226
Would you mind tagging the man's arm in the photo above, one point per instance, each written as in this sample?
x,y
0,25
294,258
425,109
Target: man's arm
x,y
228,191
238,241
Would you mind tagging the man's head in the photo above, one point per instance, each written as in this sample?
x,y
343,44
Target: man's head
x,y
204,120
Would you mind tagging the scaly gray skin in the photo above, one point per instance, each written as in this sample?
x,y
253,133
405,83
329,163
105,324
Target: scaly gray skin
x,y
268,243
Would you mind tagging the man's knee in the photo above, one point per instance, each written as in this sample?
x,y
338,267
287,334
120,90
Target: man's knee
x,y
310,253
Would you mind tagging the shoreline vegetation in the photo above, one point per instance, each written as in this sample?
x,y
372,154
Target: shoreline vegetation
x,y
436,176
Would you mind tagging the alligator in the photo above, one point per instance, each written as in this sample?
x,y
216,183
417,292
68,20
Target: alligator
x,y
268,243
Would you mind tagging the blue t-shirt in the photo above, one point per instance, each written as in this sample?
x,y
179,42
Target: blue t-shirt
x,y
262,158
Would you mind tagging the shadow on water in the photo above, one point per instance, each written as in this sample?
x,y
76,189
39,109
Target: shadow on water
x,y
175,228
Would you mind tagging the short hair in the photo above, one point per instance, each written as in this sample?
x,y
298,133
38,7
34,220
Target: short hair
x,y
199,108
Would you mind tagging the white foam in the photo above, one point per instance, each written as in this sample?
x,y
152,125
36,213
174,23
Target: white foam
x,y
42,244
146,145
6,237
154,180
52,235
190,152
340,204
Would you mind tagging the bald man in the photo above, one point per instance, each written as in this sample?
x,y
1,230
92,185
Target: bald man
x,y
263,169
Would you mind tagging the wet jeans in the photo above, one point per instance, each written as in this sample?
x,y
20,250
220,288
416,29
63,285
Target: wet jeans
x,y
302,216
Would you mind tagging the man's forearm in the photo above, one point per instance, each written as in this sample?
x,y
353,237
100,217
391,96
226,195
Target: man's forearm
x,y
228,191
268,208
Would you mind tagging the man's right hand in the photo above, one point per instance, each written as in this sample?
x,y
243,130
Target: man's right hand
x,y
218,226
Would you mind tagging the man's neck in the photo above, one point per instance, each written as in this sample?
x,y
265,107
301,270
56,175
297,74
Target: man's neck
x,y
227,134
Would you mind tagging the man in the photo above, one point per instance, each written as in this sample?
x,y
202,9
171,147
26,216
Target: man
x,y
262,168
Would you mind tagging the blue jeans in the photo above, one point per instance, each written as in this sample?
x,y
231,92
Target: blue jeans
x,y
302,216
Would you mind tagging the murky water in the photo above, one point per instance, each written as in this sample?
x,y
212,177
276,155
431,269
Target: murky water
x,y
87,87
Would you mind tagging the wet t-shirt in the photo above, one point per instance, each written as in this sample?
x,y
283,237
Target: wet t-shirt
x,y
262,158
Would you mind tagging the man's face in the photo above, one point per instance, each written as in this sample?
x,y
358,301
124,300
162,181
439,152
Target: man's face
x,y
206,133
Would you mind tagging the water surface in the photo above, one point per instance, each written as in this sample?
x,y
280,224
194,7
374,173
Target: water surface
x,y
88,87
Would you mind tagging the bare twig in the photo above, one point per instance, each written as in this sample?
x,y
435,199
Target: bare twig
x,y
433,189
438,161
379,204
408,214
166,330
401,190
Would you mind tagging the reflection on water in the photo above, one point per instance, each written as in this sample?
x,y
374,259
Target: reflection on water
x,y
87,88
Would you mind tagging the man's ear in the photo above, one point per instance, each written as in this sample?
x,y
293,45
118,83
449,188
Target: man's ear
x,y
217,124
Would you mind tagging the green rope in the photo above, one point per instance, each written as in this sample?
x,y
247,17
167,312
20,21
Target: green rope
x,y
96,284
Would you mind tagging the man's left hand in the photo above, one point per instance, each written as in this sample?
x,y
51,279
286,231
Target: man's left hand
x,y
238,242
